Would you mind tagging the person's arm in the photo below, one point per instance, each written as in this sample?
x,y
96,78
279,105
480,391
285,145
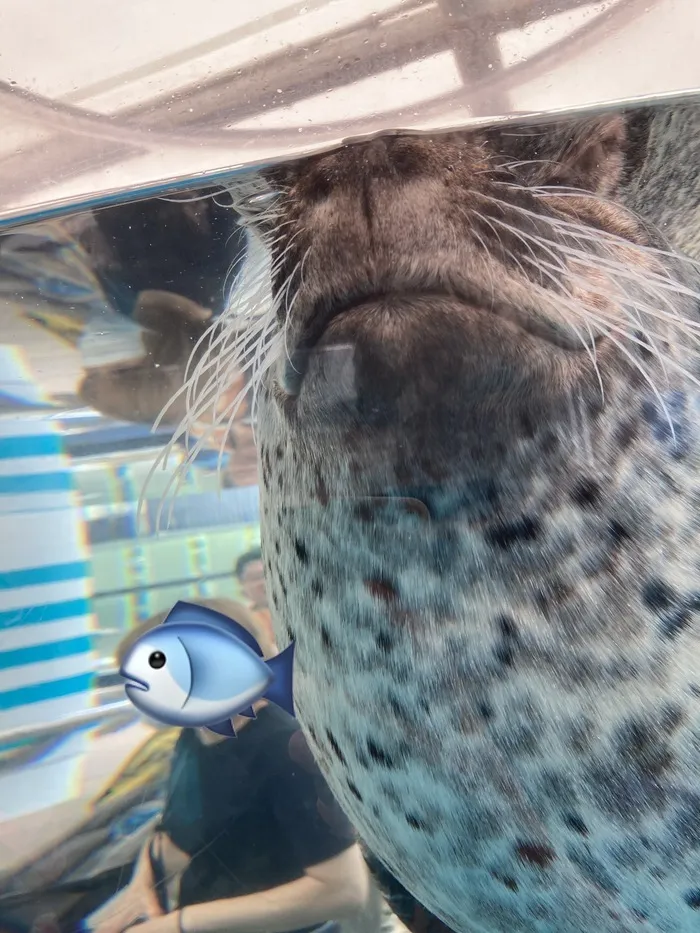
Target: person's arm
x,y
334,889
136,901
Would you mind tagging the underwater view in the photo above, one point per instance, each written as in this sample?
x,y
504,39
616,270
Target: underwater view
x,y
350,529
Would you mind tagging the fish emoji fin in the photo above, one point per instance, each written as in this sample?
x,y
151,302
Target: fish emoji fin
x,y
181,612
249,713
223,728
191,614
280,690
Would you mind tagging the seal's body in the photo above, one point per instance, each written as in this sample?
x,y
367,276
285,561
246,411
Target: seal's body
x,y
479,480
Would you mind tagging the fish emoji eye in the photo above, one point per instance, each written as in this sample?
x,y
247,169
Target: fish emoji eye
x,y
157,660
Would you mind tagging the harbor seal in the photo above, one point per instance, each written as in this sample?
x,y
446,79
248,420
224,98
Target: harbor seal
x,y
478,430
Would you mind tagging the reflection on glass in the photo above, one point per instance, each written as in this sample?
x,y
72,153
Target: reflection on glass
x,y
106,819
249,833
130,107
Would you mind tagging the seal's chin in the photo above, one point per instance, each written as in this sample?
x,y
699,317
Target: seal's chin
x,y
395,328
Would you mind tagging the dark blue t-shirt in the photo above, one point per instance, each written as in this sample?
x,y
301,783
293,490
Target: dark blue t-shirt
x,y
252,812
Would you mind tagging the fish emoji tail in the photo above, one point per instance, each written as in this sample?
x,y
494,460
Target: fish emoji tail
x,y
280,690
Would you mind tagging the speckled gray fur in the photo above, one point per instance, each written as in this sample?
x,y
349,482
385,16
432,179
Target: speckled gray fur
x,y
666,189
492,577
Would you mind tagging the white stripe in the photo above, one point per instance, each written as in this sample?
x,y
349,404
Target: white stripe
x,y
45,671
46,713
19,636
34,501
46,783
40,594
41,539
32,425
22,466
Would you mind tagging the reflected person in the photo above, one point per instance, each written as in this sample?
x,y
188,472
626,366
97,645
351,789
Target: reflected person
x,y
250,573
147,384
250,839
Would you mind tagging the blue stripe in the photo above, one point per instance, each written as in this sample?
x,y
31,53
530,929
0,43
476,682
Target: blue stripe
x,y
53,573
50,612
36,482
30,445
53,690
34,654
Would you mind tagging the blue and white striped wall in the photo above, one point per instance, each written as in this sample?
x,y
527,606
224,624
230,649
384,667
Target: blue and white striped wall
x,y
46,660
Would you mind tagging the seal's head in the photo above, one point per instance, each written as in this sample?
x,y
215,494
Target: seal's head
x,y
478,462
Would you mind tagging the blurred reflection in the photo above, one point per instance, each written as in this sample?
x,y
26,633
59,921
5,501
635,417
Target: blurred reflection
x,y
249,834
102,814
251,577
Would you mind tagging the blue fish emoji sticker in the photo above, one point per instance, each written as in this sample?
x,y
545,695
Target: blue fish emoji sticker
x,y
200,668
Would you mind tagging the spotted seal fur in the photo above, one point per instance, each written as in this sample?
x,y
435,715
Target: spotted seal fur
x,y
478,430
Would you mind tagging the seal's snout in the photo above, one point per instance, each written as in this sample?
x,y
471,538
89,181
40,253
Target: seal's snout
x,y
383,223
415,285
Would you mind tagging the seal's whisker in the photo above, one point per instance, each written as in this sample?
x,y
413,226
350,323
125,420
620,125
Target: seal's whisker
x,y
600,259
488,222
192,452
610,328
233,350
246,333
597,236
631,310
232,364
577,435
523,162
490,270
298,270
201,398
554,193
210,195
559,266
228,356
632,306
657,286
590,348
284,298
589,286
662,284
647,378
594,359
218,342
